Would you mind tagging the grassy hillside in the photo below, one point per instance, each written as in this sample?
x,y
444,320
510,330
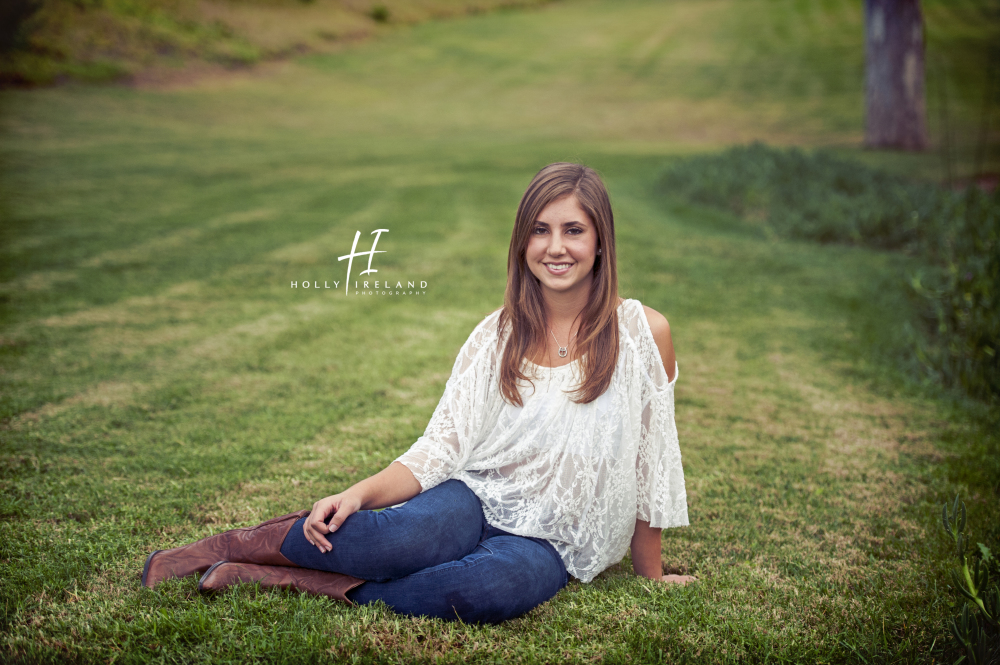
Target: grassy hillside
x,y
161,380
141,40
700,69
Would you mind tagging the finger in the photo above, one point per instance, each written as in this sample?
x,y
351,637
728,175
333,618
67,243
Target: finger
x,y
315,520
339,518
312,521
679,579
316,538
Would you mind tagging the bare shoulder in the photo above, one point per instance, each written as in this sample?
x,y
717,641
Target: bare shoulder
x,y
660,328
657,324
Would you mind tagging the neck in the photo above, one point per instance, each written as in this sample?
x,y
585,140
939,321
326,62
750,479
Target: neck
x,y
563,307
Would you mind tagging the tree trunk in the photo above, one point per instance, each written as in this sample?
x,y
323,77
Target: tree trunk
x,y
896,108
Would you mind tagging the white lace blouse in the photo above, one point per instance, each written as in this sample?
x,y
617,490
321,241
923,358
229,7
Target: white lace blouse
x,y
577,475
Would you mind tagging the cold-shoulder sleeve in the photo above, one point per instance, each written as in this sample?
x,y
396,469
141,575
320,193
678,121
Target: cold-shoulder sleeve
x,y
458,421
661,498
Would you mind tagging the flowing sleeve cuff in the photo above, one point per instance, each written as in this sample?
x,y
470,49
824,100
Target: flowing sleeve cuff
x,y
426,462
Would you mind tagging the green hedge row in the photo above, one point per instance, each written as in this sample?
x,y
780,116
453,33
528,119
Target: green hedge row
x,y
817,196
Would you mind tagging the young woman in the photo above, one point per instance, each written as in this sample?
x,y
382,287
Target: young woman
x,y
551,453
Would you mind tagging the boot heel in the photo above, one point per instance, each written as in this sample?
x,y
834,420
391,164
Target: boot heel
x,y
145,568
204,578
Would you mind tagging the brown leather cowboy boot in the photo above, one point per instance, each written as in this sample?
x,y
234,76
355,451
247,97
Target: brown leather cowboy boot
x,y
254,544
318,582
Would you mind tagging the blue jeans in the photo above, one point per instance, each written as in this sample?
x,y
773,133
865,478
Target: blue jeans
x,y
437,556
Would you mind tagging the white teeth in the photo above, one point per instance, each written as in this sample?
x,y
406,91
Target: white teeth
x,y
558,266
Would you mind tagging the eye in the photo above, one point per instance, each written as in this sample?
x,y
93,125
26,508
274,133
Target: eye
x,y
539,228
576,230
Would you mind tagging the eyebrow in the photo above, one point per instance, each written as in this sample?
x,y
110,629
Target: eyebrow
x,y
574,222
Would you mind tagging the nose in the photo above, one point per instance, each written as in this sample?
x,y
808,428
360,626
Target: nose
x,y
556,244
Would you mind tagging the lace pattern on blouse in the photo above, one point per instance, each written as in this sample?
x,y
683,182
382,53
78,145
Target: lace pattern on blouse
x,y
577,475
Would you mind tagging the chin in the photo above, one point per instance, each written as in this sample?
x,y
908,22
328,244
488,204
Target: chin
x,y
561,287
559,284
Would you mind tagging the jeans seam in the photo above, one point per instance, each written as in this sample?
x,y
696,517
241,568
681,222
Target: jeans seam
x,y
486,523
546,545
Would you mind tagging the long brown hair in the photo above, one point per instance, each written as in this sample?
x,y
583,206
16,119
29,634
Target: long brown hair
x,y
524,310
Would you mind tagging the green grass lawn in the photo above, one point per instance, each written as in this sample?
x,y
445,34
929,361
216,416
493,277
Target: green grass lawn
x,y
161,380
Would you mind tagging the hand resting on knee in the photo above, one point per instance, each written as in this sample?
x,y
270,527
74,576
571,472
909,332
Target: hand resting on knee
x,y
390,486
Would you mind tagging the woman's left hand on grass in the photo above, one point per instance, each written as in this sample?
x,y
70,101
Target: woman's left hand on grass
x,y
678,579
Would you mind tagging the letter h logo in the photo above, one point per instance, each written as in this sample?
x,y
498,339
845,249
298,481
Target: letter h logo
x,y
371,254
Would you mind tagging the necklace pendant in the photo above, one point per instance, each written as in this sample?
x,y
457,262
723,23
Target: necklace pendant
x,y
563,352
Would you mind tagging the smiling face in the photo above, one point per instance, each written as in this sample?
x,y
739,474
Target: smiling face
x,y
563,247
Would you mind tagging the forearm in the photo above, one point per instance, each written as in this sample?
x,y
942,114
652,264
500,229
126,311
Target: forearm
x,y
390,486
646,553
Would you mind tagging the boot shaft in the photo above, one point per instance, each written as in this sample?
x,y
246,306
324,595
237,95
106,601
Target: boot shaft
x,y
260,544
225,574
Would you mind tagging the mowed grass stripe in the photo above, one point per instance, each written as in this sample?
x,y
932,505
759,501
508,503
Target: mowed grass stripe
x,y
143,330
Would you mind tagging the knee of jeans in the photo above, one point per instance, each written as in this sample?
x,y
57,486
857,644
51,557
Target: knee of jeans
x,y
459,489
459,502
